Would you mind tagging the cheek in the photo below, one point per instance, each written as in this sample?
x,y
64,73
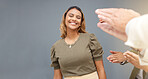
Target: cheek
x,y
80,22
66,21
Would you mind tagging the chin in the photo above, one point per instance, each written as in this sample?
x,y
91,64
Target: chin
x,y
73,27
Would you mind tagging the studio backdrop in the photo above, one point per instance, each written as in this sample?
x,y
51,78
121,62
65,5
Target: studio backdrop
x,y
28,29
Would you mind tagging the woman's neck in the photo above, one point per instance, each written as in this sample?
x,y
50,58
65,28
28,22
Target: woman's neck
x,y
72,34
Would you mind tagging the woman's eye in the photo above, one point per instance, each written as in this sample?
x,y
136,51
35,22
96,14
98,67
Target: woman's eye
x,y
70,15
78,17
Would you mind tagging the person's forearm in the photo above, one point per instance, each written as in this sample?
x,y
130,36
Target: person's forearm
x,y
57,77
101,74
57,74
100,69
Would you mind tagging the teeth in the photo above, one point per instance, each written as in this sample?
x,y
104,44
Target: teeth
x,y
73,23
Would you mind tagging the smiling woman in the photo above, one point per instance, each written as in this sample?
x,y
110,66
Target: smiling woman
x,y
70,15
78,55
73,19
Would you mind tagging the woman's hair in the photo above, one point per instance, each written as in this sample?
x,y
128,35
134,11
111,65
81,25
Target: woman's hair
x,y
63,25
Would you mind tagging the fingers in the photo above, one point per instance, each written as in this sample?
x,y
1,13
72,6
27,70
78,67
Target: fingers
x,y
106,10
108,13
129,54
116,57
113,59
114,52
105,14
106,19
103,24
131,57
112,31
105,27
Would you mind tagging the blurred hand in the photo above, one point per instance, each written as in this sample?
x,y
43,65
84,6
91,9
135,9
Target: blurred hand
x,y
132,58
116,57
114,20
112,31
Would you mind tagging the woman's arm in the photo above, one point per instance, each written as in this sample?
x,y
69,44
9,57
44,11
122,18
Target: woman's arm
x,y
100,69
57,74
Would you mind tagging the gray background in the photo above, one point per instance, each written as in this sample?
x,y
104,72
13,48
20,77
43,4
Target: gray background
x,y
28,29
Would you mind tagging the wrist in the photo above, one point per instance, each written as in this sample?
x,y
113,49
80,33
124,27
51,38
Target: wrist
x,y
123,62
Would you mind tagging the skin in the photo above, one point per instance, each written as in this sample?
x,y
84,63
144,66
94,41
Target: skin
x,y
116,57
131,57
73,21
57,74
114,21
100,69
134,59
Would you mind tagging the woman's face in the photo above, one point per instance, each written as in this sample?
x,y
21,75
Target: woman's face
x,y
73,19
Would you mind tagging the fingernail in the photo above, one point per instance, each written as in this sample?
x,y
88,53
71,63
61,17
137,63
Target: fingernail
x,y
96,11
125,56
99,16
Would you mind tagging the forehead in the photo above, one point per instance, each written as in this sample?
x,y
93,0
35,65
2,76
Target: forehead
x,y
74,11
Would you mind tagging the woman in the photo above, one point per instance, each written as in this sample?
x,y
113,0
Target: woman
x,y
78,55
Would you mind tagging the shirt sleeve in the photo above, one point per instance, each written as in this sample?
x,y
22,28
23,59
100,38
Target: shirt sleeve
x,y
95,47
54,59
137,32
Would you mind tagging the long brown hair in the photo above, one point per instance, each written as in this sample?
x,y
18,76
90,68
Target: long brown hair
x,y
63,25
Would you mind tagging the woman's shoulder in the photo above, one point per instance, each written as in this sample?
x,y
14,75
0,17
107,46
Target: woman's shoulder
x,y
87,34
57,42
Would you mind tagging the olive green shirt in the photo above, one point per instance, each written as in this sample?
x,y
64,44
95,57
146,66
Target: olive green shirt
x,y
77,59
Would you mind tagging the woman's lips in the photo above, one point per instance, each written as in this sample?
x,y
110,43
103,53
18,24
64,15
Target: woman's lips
x,y
73,23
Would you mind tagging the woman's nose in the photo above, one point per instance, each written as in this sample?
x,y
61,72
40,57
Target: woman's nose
x,y
74,18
